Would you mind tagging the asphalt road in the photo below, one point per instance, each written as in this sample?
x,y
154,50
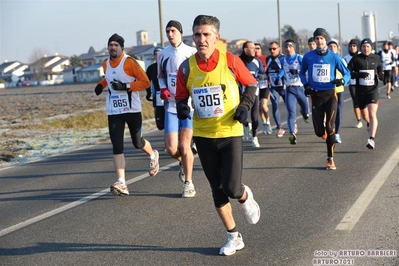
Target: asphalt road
x,y
58,211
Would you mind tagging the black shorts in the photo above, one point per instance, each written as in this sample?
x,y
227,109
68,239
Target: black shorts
x,y
387,76
365,98
264,93
116,127
222,162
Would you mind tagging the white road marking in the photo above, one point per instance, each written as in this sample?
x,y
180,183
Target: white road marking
x,y
76,203
361,204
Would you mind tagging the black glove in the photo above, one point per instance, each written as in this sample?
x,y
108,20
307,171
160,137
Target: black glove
x,y
294,71
339,82
308,90
363,75
119,86
98,89
241,114
276,81
183,110
148,95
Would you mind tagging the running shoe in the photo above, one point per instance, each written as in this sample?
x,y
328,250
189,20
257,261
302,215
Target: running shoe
x,y
359,124
234,243
280,132
337,138
306,117
370,144
188,190
264,128
246,133
250,207
194,149
388,96
296,128
267,129
255,142
396,84
119,188
292,139
182,176
154,164
330,165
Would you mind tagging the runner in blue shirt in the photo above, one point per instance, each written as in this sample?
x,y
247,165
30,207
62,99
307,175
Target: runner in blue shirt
x,y
321,65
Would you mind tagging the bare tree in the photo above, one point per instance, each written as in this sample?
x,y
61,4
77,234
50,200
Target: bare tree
x,y
264,43
37,54
303,37
37,66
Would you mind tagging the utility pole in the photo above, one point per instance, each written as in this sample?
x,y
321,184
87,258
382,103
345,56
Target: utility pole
x,y
339,31
160,22
278,23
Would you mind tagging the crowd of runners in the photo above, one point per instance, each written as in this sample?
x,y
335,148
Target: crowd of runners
x,y
209,101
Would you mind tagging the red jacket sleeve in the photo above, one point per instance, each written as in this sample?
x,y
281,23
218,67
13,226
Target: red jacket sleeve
x,y
181,88
240,70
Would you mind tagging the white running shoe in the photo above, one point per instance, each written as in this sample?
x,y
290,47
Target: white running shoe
x,y
280,132
268,129
234,243
337,138
188,190
396,84
154,164
250,207
118,188
370,144
182,176
359,124
255,142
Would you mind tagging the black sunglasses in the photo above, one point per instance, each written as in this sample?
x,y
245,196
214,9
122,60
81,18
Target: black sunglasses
x,y
272,49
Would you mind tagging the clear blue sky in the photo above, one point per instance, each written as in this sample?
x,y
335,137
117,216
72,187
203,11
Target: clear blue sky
x,y
70,27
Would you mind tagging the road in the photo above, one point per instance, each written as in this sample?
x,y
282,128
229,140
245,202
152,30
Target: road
x,y
58,211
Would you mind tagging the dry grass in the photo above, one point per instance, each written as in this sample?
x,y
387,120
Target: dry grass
x,y
34,113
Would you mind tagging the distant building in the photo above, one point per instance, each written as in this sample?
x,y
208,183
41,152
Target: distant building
x,y
12,73
142,37
47,70
369,26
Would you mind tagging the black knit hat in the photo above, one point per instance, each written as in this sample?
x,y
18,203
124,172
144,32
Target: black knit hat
x,y
355,42
320,32
366,40
176,24
117,38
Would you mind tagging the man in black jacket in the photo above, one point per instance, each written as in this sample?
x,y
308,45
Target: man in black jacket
x,y
154,90
366,68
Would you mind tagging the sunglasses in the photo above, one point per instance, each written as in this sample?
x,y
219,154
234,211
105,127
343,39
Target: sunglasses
x,y
272,49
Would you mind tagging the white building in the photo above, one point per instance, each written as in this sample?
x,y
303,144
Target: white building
x,y
369,26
